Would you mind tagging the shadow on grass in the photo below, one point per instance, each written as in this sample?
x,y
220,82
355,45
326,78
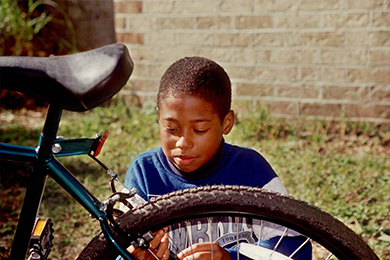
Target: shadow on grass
x,y
20,136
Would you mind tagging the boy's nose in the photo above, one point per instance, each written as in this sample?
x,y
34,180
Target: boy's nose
x,y
184,142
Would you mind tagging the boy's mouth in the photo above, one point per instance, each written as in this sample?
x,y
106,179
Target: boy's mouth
x,y
183,160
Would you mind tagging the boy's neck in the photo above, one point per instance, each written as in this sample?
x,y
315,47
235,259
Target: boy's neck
x,y
204,171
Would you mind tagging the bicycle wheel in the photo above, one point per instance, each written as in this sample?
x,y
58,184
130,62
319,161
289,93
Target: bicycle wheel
x,y
253,204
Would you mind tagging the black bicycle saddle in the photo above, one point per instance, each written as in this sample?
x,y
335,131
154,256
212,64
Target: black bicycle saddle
x,y
76,82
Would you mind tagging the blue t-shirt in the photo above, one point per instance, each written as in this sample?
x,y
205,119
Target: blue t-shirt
x,y
152,174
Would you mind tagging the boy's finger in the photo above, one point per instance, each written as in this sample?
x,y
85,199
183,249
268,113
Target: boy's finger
x,y
197,248
153,244
196,256
163,248
134,250
166,255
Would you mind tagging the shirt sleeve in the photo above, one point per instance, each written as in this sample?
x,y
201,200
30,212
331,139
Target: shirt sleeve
x,y
276,185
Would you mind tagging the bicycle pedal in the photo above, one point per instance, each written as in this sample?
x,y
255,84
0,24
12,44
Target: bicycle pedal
x,y
41,240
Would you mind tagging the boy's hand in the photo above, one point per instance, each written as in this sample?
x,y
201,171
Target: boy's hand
x,y
159,246
203,251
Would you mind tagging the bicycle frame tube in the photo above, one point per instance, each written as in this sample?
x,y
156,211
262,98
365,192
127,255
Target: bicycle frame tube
x,y
107,233
17,153
75,188
29,212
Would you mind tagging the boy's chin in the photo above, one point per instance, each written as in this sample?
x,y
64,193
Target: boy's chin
x,y
186,169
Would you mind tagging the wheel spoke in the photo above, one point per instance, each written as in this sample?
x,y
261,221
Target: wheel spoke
x,y
260,232
188,227
299,248
210,219
238,238
153,254
280,239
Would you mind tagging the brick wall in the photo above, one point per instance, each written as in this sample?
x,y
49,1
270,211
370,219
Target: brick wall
x,y
325,59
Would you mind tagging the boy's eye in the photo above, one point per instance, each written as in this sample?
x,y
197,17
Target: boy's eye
x,y
202,131
170,130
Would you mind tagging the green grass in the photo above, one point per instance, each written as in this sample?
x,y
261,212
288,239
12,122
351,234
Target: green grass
x,y
341,167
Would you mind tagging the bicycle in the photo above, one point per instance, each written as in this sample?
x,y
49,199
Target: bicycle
x,y
82,81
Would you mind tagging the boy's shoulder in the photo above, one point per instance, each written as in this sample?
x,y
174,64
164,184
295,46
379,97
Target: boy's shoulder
x,y
147,155
244,155
235,150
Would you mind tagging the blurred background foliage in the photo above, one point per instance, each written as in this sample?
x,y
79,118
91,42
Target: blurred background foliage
x,y
33,28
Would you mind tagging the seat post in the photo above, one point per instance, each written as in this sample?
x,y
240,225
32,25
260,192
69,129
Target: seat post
x,y
52,121
49,132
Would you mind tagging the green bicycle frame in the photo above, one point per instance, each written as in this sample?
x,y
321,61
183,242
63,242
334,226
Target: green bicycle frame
x,y
44,163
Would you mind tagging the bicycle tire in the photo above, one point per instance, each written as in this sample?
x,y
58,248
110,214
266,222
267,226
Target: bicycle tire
x,y
203,201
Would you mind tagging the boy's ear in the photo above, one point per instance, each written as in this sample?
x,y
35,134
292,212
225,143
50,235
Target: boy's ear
x,y
228,122
158,114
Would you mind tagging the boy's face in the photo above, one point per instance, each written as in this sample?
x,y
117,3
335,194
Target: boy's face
x,y
190,131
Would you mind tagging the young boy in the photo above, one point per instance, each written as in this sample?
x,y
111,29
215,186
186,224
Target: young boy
x,y
194,112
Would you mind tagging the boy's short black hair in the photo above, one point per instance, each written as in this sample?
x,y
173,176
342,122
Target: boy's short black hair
x,y
198,77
